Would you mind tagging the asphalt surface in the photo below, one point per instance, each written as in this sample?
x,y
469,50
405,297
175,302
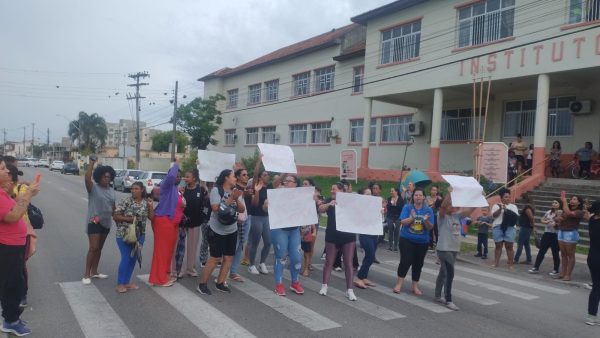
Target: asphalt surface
x,y
493,303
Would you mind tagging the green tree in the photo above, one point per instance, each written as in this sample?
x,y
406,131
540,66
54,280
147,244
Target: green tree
x,y
38,151
161,141
201,119
89,131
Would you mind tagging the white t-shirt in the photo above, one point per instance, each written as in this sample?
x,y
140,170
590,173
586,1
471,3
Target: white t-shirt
x,y
498,220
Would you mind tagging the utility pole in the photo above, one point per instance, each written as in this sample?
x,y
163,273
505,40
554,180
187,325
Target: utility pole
x,y
173,138
137,98
24,142
47,141
32,137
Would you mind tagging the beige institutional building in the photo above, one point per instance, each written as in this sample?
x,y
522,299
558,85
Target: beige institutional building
x,y
406,70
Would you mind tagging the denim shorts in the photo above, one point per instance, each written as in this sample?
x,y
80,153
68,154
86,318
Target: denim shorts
x,y
508,236
571,237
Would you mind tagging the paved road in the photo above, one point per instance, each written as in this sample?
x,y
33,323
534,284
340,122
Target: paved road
x,y
494,303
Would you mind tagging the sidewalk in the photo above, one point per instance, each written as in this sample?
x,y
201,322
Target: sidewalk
x,y
580,274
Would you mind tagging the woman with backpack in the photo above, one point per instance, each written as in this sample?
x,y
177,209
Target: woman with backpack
x,y
135,208
226,202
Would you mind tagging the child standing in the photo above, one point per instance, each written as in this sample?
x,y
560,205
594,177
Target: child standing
x,y
483,227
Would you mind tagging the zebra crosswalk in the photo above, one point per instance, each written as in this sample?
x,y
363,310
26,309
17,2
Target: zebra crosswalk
x,y
311,312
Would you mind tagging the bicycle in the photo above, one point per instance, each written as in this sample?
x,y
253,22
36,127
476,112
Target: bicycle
x,y
573,169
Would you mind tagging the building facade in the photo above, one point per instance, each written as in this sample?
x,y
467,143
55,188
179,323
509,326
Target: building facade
x,y
123,133
407,69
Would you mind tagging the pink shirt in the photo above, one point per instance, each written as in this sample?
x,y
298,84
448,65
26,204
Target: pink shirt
x,y
10,233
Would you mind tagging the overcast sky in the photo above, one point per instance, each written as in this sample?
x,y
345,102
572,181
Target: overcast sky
x,y
64,56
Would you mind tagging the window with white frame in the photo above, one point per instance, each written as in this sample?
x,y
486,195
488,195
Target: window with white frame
x,y
395,129
251,135
269,135
298,133
584,11
357,79
519,117
324,79
254,94
356,130
401,43
232,98
301,84
485,21
457,124
230,137
272,90
319,132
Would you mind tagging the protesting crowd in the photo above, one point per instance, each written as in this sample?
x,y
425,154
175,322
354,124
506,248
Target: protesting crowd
x,y
220,225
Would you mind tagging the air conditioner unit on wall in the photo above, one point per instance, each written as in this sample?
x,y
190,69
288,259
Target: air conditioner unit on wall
x,y
580,107
416,128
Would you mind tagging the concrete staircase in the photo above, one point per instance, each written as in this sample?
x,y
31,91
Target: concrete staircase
x,y
541,199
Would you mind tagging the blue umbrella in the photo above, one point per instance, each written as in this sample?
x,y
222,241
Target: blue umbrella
x,y
419,179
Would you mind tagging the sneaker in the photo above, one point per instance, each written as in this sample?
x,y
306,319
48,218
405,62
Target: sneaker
x,y
17,328
297,288
452,306
440,300
553,273
23,303
100,276
533,270
587,286
223,287
253,270
591,320
350,295
338,269
86,281
323,256
203,289
280,289
262,268
323,291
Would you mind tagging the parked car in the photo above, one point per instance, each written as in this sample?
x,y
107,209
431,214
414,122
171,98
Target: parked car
x,y
70,168
27,162
57,165
123,182
42,163
151,178
118,173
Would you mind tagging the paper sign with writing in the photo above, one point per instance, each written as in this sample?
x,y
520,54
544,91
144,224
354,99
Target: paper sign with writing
x,y
358,214
290,207
278,158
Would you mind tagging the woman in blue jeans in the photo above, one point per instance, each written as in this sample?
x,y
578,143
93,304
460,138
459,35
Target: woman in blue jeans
x,y
244,227
369,245
135,207
526,224
286,241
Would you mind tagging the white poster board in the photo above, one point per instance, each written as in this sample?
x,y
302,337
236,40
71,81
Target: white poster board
x,y
290,207
358,214
278,158
211,163
466,191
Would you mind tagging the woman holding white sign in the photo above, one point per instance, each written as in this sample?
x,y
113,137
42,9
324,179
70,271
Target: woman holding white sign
x,y
369,244
336,240
287,241
416,219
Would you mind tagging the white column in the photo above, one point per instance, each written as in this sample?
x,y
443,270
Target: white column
x,y
541,113
436,120
367,123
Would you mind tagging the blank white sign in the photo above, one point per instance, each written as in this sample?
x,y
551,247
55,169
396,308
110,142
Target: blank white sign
x,y
466,191
290,207
358,214
278,158
212,163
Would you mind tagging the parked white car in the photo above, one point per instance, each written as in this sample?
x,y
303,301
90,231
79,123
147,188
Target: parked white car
x,y
27,162
151,178
42,163
57,165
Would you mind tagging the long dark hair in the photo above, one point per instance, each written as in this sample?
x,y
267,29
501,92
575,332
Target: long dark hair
x,y
222,176
557,144
580,206
525,207
141,185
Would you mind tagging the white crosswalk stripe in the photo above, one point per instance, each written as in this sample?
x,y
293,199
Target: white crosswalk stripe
x,y
204,316
362,305
424,304
93,313
458,293
287,307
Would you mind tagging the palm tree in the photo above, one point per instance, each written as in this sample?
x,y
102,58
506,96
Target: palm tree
x,y
89,131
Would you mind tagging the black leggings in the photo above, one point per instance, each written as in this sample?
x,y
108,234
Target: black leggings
x,y
411,254
593,262
549,241
12,282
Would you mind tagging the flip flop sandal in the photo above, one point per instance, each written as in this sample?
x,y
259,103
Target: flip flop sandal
x,y
358,285
371,284
236,278
395,291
